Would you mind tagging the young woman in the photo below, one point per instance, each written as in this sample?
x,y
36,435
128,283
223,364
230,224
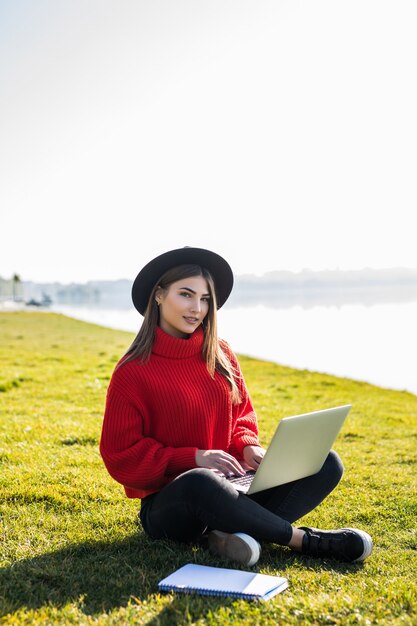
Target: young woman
x,y
179,418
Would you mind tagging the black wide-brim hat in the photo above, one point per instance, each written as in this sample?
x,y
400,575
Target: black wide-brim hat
x,y
149,275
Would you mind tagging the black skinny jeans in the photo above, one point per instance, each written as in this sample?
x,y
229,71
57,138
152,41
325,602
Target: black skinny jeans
x,y
200,499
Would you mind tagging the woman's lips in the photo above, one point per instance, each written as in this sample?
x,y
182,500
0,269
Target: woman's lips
x,y
191,320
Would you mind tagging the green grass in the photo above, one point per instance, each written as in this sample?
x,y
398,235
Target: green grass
x,y
72,551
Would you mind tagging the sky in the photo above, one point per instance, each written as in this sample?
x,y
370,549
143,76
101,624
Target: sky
x,y
281,134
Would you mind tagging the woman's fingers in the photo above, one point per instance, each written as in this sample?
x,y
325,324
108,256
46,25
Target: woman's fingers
x,y
253,455
226,463
232,466
219,460
259,456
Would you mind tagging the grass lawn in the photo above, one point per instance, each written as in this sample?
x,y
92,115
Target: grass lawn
x,y
72,551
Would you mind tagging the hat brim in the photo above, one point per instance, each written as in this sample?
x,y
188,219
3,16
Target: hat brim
x,y
149,275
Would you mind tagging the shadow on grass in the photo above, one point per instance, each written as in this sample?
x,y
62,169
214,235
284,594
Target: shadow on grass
x,y
102,576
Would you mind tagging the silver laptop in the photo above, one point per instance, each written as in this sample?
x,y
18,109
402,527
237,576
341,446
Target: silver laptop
x,y
298,449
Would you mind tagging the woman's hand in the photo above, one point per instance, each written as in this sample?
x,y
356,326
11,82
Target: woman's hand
x,y
253,456
220,461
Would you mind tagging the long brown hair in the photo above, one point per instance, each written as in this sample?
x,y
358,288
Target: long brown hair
x,y
215,357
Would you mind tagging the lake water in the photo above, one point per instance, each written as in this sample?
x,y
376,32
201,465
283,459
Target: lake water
x,y
374,343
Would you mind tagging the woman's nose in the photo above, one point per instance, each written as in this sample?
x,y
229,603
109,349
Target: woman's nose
x,y
196,305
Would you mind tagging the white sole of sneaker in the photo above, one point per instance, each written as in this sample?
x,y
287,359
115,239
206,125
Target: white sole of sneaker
x,y
254,546
238,547
367,543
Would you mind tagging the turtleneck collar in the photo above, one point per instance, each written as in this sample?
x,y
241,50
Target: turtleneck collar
x,y
175,348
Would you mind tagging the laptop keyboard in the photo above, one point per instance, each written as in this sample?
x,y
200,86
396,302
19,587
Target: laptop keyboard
x,y
242,481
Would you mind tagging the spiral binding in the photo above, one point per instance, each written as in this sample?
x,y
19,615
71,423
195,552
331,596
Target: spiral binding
x,y
209,592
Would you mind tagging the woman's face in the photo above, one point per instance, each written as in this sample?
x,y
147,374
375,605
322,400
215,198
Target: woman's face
x,y
183,306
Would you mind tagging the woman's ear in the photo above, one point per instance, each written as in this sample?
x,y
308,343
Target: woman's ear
x,y
158,295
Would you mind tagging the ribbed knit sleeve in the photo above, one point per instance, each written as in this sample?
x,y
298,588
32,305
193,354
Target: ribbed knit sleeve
x,y
245,423
245,433
134,460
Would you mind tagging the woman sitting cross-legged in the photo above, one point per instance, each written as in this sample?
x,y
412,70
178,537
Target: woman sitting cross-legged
x,y
179,418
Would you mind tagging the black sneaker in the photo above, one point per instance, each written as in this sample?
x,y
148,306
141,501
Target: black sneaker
x,y
346,544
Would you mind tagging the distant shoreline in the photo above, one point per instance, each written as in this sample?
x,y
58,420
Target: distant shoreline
x,y
340,340
276,289
243,295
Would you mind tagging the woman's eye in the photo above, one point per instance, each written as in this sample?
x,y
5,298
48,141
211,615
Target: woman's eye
x,y
185,294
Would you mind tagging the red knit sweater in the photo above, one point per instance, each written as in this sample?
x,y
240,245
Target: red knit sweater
x,y
159,413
